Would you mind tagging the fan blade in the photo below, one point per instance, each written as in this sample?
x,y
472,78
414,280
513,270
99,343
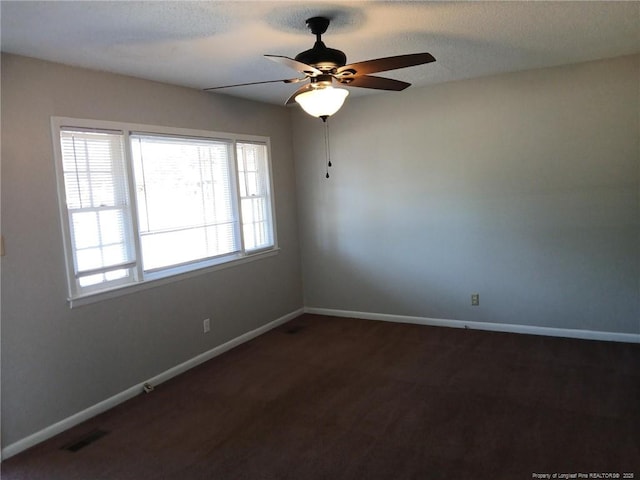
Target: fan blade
x,y
296,65
378,83
384,64
292,99
287,80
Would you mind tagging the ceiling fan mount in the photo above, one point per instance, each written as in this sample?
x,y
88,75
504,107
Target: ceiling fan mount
x,y
318,25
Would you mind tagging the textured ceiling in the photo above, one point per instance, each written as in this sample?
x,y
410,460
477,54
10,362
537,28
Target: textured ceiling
x,y
212,43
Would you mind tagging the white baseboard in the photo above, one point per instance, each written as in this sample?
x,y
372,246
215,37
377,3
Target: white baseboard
x,y
494,327
76,419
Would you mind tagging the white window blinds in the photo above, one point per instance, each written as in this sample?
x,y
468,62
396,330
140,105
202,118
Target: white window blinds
x,y
255,195
184,192
97,203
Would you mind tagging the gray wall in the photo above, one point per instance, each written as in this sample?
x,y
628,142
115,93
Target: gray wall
x,y
521,187
57,361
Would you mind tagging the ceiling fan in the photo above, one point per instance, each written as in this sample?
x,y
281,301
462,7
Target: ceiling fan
x,y
322,66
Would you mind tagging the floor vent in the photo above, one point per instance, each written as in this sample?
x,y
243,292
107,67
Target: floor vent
x,y
85,440
294,329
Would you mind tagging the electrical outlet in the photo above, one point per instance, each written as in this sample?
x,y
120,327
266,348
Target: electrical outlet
x,y
475,299
206,325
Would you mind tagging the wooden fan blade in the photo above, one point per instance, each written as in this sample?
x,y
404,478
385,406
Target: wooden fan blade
x,y
286,80
378,83
384,64
291,100
296,65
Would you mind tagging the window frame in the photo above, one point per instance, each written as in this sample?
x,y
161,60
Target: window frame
x,y
267,195
142,280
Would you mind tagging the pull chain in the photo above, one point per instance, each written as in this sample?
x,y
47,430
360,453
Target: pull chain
x,y
327,145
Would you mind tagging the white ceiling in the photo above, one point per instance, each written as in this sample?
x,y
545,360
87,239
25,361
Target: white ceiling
x,y
212,43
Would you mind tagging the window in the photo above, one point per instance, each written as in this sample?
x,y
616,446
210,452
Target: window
x,y
141,203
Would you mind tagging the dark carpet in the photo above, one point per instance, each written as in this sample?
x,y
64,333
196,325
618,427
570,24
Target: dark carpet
x,y
336,398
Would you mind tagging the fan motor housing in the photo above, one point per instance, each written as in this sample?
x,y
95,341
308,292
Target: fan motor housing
x,y
322,57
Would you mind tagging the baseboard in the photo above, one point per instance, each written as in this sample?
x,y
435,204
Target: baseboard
x,y
76,419
494,327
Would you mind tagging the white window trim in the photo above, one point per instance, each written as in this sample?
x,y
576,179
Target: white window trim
x,y
169,275
164,280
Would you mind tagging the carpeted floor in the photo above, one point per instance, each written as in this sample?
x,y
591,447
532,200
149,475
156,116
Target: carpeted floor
x,y
335,398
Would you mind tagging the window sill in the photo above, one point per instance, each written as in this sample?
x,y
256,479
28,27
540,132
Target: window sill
x,y
156,281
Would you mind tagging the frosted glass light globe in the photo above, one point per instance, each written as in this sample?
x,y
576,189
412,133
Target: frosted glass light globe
x,y
322,102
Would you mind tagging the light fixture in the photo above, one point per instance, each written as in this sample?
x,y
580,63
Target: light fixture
x,y
323,101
